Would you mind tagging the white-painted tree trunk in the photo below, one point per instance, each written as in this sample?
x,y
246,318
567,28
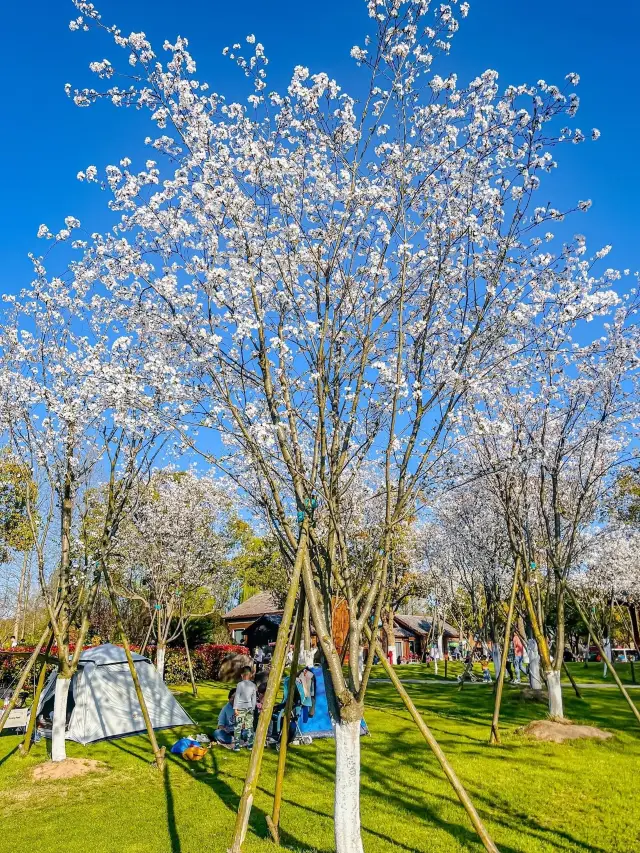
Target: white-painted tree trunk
x,y
160,660
555,694
347,793
58,728
607,650
496,655
535,679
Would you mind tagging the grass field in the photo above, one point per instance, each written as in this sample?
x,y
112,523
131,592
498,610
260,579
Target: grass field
x,y
592,673
532,796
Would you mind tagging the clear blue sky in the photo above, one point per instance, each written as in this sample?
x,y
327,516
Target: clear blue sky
x,y
47,140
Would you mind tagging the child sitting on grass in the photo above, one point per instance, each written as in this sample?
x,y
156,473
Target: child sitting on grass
x,y
486,675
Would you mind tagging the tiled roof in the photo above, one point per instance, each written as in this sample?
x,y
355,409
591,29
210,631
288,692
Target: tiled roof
x,y
254,607
421,625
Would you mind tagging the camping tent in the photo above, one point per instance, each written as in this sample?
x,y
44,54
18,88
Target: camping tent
x,y
320,724
102,700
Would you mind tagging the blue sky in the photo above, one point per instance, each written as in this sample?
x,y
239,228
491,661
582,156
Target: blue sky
x,y
47,140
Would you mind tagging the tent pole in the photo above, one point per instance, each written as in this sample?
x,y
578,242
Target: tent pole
x,y
25,746
273,822
24,675
275,674
439,754
494,737
603,654
157,751
186,648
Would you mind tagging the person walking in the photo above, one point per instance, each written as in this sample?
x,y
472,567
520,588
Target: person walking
x,y
518,656
244,703
511,656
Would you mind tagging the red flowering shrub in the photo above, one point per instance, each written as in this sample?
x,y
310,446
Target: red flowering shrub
x,y
212,656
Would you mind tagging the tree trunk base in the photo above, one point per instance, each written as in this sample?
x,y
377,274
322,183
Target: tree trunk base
x,y
59,726
556,708
347,792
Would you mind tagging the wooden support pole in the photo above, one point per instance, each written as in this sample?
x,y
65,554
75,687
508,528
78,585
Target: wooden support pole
x,y
571,679
25,746
158,753
603,654
24,675
273,684
194,689
494,737
442,758
148,634
273,822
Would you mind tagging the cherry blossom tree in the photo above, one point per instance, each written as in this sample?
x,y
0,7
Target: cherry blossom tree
x,y
173,552
327,278
551,438
65,410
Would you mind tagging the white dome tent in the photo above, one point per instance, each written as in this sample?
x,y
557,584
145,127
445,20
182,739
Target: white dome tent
x,y
102,700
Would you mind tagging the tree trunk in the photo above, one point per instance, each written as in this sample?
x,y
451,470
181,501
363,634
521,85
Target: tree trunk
x,y
388,631
535,680
194,689
26,593
555,694
495,734
25,746
308,653
160,653
633,613
59,726
347,791
496,655
19,602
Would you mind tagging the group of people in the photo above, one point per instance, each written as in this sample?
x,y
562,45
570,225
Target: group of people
x,y
237,719
515,662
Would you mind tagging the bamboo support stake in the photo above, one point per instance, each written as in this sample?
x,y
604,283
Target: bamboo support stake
x,y
158,753
275,674
194,689
148,634
24,675
25,746
596,640
442,758
273,822
572,680
494,737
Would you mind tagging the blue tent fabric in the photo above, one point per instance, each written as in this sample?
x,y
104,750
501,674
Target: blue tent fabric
x,y
320,725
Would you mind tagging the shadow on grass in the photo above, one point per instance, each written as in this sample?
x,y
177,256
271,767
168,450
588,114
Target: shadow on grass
x,y
443,709
9,754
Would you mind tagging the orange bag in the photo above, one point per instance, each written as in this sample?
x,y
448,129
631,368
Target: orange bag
x,y
194,753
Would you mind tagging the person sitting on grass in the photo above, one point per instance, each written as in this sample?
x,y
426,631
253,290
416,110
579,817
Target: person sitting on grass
x,y
244,704
486,675
226,722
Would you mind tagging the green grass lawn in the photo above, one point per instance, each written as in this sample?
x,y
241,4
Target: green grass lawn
x,y
532,796
592,673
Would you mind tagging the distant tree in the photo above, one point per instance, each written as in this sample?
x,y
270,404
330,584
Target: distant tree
x,y
172,552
